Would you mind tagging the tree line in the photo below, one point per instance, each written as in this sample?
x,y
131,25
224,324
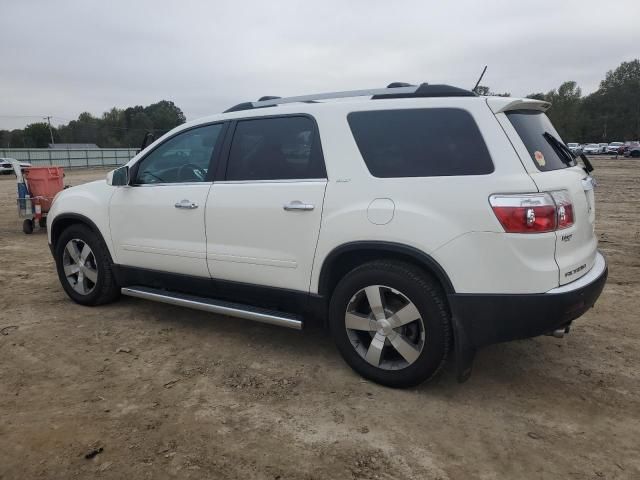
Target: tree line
x,y
115,128
611,113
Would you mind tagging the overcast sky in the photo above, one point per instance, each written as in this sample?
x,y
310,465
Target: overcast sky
x,y
65,57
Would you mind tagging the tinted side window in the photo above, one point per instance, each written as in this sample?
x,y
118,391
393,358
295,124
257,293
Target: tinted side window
x,y
183,158
275,149
420,143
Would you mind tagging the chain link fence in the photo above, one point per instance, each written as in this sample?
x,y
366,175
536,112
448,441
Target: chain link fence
x,y
73,158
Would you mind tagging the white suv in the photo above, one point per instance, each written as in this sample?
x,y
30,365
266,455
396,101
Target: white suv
x,y
411,221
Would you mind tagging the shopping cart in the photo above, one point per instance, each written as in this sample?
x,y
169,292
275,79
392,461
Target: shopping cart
x,y
36,189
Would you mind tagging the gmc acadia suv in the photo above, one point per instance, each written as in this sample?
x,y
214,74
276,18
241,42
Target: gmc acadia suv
x,y
411,221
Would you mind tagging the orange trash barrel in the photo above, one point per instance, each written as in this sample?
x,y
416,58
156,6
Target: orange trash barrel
x,y
44,182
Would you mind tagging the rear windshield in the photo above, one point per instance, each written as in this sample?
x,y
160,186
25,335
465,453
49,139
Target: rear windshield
x,y
531,125
420,142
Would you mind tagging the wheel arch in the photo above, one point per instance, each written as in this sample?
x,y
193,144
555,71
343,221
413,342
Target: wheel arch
x,y
65,220
344,258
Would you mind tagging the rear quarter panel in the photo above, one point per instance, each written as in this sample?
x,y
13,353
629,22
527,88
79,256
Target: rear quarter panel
x,y
448,218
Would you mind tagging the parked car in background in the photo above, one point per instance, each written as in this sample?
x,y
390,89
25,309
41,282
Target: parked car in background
x,y
575,148
628,146
6,168
632,150
615,148
328,211
603,147
592,149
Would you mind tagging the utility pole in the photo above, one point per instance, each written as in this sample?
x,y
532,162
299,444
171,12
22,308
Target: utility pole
x,y
48,119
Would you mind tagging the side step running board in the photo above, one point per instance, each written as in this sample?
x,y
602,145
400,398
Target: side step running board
x,y
216,306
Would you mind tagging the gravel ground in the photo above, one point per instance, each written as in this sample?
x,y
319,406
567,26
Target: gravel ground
x,y
154,391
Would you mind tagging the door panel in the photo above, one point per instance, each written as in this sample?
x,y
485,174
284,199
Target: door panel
x,y
148,231
263,217
158,222
251,238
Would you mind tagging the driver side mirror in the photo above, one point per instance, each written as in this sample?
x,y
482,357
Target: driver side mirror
x,y
118,177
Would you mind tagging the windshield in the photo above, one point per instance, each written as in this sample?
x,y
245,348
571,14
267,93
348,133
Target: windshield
x,y
593,145
572,144
616,144
532,125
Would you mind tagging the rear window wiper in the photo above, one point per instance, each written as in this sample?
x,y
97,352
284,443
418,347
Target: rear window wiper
x,y
566,155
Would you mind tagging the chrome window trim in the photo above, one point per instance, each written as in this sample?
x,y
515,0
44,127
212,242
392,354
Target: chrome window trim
x,y
287,180
170,184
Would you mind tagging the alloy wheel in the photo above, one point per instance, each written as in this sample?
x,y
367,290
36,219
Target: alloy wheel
x,y
385,327
80,268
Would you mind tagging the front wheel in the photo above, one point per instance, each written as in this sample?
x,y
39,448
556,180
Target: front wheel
x,y
84,266
390,323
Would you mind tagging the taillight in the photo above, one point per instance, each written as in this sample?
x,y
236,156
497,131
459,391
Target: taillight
x,y
533,212
564,208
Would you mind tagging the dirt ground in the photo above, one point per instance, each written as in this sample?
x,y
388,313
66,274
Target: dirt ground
x,y
165,392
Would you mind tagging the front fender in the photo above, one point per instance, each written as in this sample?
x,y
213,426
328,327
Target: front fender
x,y
87,203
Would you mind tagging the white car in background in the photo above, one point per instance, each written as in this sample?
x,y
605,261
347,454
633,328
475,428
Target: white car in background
x,y
6,167
592,149
575,148
614,147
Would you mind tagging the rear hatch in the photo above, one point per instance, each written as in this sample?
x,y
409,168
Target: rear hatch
x,y
540,148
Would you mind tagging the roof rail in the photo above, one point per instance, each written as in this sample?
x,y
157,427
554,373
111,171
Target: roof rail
x,y
395,90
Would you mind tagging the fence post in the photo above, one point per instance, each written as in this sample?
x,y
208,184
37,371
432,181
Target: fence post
x,y
50,161
86,155
28,155
102,156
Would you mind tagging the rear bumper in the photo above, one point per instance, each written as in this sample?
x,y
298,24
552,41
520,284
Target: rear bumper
x,y
483,319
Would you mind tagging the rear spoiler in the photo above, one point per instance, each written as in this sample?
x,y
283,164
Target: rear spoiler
x,y
505,104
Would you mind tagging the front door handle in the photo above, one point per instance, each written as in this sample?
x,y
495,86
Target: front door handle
x,y
298,205
186,204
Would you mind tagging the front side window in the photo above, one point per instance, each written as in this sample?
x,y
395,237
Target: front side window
x,y
427,142
281,148
183,158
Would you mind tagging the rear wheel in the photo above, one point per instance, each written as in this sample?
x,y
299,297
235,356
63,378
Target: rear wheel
x,y
84,267
390,323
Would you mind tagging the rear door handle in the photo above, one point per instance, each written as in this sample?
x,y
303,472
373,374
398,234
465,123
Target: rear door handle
x,y
298,205
186,204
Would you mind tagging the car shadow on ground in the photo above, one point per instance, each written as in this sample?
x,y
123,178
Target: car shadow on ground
x,y
502,364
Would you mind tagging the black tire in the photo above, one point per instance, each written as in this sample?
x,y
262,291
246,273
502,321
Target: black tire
x,y
418,288
27,226
105,289
635,154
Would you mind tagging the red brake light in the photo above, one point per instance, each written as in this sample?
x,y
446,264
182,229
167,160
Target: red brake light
x,y
564,207
533,212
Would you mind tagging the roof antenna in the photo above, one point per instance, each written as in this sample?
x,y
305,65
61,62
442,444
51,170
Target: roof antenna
x,y
480,79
